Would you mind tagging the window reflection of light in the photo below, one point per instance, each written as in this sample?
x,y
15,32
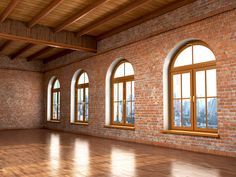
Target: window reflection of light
x,y
81,157
54,153
122,161
186,169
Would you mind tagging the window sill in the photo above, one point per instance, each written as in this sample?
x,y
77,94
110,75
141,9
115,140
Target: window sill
x,y
191,133
120,127
54,121
80,123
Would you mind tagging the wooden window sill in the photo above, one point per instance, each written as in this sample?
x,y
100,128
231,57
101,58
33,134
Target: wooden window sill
x,y
80,123
120,127
191,133
54,121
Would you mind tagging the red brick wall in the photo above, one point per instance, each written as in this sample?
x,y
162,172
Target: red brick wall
x,y
147,57
21,99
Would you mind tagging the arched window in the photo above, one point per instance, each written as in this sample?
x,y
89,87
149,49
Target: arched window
x,y
122,95
193,92
82,98
55,115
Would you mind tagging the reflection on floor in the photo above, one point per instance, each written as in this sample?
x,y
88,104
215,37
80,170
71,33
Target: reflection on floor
x,y
44,153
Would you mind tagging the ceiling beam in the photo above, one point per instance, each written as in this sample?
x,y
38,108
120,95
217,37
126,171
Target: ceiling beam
x,y
39,53
22,50
41,35
118,13
79,15
57,55
44,12
4,45
156,13
8,9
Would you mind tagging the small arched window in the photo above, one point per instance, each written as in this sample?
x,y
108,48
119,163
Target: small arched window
x,y
55,115
193,92
122,95
82,98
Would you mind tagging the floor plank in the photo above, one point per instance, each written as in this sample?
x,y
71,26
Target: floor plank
x,y
40,152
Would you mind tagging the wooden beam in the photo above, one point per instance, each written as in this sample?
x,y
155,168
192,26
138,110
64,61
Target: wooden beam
x,y
57,55
4,45
79,15
118,13
22,50
39,53
44,12
156,13
41,35
8,9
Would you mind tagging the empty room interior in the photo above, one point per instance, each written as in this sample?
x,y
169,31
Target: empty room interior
x,y
121,88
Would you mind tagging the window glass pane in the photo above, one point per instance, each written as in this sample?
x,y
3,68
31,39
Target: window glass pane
x,y
177,113
212,112
58,105
128,91
81,78
128,69
200,84
128,112
80,95
201,113
177,86
59,112
80,112
86,79
120,71
56,84
120,111
133,111
120,91
133,91
86,95
55,98
115,112
186,85
211,82
202,54
86,112
115,94
186,112
184,58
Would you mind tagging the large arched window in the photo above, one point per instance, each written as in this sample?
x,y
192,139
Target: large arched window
x,y
122,95
55,115
82,98
193,92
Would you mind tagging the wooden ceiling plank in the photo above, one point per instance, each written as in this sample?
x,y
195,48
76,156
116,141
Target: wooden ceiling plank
x,y
41,35
44,12
21,51
79,15
4,45
39,53
57,55
156,13
8,9
118,13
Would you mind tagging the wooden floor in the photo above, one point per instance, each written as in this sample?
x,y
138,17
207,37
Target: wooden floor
x,y
33,153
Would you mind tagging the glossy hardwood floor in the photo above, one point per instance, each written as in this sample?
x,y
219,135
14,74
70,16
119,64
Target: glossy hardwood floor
x,y
39,152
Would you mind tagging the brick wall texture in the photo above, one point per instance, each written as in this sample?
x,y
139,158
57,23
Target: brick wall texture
x,y
21,99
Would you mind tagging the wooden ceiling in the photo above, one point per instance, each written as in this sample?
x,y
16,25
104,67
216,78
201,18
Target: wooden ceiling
x,y
70,25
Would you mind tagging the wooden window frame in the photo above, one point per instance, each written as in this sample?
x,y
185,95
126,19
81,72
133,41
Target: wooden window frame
x,y
122,80
77,87
192,69
58,91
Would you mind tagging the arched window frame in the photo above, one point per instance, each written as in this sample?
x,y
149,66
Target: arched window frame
x,y
112,82
192,69
58,91
81,86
